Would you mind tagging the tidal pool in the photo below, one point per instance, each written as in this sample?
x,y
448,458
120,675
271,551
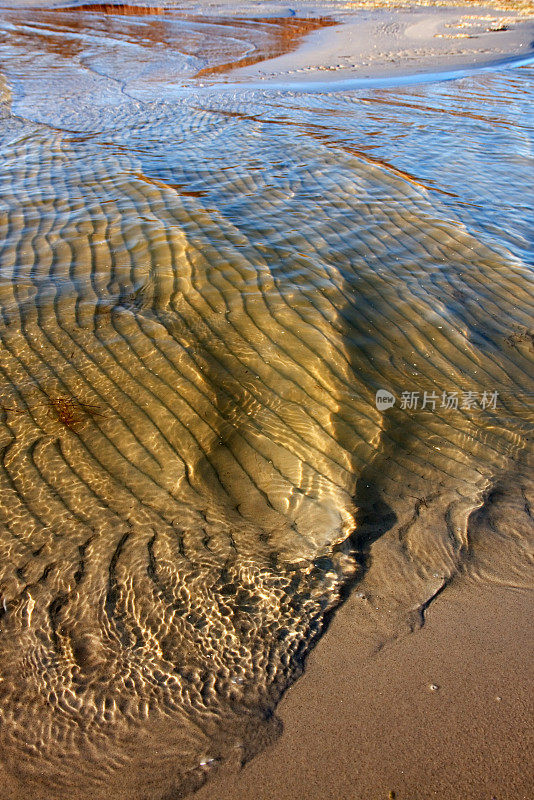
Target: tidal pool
x,y
202,291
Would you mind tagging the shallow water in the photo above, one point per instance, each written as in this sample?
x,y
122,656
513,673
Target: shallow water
x,y
201,294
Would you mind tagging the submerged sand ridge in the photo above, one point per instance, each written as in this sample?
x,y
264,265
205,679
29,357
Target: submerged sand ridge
x,y
200,299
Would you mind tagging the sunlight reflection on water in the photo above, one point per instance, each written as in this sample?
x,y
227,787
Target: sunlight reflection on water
x,y
201,294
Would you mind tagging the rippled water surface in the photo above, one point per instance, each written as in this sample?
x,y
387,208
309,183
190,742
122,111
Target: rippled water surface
x,y
202,290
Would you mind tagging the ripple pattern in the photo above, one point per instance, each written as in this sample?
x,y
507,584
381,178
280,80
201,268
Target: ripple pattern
x,y
196,315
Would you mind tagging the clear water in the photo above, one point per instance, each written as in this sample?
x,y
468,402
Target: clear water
x,y
202,291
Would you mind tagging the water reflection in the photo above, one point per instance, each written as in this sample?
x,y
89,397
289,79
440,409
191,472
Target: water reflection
x,y
200,299
143,44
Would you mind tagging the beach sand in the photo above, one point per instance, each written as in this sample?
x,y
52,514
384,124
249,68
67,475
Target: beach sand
x,y
373,42
359,726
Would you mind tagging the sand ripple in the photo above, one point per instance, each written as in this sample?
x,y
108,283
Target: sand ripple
x,y
199,304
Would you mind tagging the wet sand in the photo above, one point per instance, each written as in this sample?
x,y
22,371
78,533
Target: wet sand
x,y
388,40
358,727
